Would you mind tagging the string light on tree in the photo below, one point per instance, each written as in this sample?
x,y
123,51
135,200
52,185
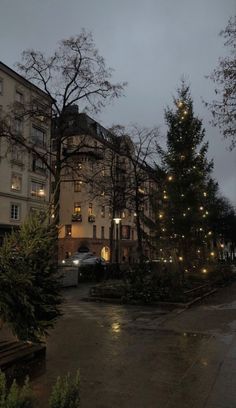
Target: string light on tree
x,y
185,211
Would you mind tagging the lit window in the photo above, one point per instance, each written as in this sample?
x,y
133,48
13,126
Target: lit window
x,y
38,136
37,189
15,212
68,231
77,207
90,209
16,182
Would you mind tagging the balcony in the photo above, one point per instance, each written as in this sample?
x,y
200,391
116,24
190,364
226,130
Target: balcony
x,y
76,217
91,218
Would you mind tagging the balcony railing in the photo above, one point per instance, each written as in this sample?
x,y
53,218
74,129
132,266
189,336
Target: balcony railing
x,y
91,218
76,217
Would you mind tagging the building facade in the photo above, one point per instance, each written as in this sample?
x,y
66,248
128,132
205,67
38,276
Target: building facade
x,y
96,188
24,180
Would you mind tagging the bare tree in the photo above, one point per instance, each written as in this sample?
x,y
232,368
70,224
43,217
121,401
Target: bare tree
x,y
107,181
223,108
74,74
138,149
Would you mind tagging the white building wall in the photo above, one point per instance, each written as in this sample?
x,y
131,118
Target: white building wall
x,y
12,162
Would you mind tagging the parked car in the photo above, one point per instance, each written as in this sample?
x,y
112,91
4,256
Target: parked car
x,y
77,258
93,260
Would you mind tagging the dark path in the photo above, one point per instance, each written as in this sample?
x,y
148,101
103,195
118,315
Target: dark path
x,y
137,357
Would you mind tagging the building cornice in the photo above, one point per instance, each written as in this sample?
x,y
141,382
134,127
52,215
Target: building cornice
x,y
23,80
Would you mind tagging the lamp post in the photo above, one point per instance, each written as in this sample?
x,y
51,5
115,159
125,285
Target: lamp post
x,y
117,222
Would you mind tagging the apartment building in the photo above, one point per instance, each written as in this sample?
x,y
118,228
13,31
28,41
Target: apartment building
x,y
95,190
24,181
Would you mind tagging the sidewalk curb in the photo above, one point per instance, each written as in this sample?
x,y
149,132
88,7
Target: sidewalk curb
x,y
117,301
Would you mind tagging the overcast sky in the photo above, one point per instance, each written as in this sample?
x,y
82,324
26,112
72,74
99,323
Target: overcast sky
x,y
150,44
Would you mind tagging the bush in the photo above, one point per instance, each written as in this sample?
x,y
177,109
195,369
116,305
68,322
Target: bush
x,y
29,283
16,397
151,282
65,393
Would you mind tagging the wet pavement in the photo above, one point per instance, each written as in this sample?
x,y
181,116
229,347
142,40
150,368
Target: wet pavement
x,y
145,357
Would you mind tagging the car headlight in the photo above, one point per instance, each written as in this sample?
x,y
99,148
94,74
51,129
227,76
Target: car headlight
x,y
63,261
76,262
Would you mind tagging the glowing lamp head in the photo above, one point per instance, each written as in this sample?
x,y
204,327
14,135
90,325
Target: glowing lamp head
x,y
117,220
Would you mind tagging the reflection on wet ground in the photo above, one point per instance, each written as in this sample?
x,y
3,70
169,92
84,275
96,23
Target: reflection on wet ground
x,y
132,356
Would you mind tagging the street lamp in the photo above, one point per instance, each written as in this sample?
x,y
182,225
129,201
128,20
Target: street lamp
x,y
117,222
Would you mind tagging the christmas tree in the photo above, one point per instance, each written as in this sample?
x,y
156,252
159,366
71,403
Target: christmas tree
x,y
184,230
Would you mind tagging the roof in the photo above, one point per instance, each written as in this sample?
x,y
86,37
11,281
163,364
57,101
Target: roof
x,y
21,79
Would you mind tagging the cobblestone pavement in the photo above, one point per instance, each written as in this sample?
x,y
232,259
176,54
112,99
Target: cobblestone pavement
x,y
145,357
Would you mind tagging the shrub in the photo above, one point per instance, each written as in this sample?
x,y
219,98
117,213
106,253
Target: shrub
x,y
29,283
16,397
65,393
148,283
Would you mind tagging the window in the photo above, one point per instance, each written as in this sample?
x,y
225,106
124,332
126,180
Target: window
x,y
19,97
90,209
102,232
77,207
1,86
38,166
16,182
103,211
17,154
37,189
15,212
18,125
77,186
125,232
38,136
94,231
68,230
